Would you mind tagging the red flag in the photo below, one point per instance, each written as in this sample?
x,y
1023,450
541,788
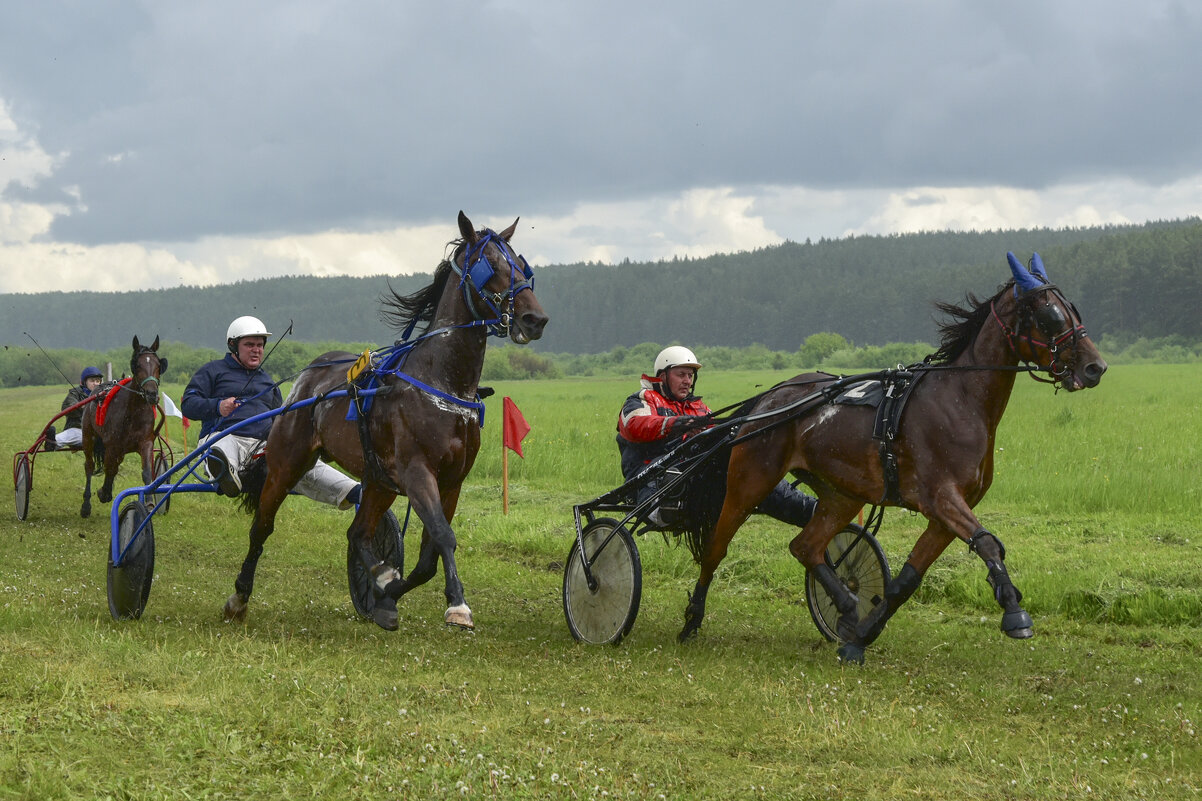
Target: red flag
x,y
515,428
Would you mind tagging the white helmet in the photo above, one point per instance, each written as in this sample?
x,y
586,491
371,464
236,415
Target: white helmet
x,y
675,356
245,327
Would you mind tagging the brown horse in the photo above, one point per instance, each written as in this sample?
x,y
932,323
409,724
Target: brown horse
x,y
421,433
128,424
942,449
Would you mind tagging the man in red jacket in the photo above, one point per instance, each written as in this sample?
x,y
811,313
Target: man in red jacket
x,y
663,413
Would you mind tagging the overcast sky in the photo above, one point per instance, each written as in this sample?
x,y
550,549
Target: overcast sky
x,y
158,144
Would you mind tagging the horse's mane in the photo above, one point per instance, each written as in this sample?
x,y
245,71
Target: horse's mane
x,y
400,310
956,334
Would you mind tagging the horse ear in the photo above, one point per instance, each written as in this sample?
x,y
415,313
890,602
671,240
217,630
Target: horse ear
x,y
155,346
1022,276
162,365
1037,267
466,230
508,232
135,343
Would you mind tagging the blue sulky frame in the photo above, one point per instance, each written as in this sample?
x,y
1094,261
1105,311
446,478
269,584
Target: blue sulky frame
x,y
131,549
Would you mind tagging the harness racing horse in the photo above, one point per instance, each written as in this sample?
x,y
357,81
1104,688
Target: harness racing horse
x,y
123,421
421,433
943,448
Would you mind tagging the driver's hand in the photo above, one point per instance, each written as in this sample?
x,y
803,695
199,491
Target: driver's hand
x,y
683,424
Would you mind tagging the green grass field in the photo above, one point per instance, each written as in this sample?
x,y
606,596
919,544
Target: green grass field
x,y
1096,498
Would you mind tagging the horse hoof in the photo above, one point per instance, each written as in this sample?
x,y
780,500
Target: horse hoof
x,y
85,512
104,497
852,653
459,616
235,609
384,614
1018,625
687,633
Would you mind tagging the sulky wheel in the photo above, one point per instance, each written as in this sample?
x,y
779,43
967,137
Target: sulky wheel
x,y
860,563
388,545
129,583
23,483
604,614
162,499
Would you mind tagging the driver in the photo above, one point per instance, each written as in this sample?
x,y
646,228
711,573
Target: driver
x,y
72,435
663,413
234,388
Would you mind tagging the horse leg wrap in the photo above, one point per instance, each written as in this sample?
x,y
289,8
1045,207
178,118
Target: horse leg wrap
x,y
845,601
1016,622
975,542
897,592
694,613
385,580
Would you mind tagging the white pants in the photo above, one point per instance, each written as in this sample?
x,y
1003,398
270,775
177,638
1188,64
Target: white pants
x,y
322,483
69,438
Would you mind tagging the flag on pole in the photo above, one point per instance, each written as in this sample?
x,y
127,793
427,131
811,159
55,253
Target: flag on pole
x,y
169,406
515,427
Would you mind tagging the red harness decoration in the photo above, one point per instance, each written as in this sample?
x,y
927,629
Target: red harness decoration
x,y
108,398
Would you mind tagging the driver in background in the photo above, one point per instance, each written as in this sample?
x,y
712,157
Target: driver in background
x,y
663,413
72,435
235,388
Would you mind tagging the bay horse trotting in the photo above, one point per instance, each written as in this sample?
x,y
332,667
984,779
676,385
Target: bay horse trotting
x,y
409,424
123,421
937,462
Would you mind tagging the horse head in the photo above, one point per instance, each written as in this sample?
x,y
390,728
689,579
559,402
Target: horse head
x,y
498,284
146,367
1048,331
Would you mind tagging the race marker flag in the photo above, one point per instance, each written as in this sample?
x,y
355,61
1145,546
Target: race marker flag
x,y
171,410
514,429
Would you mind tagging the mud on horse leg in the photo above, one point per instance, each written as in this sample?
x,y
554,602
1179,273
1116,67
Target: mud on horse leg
x,y
1016,622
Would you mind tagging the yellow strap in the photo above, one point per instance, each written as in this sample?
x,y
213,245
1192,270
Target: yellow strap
x,y
361,364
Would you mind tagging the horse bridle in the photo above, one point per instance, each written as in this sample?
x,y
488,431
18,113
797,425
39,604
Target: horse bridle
x,y
133,371
479,271
1042,319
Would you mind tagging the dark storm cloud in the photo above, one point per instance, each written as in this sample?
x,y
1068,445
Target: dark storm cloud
x,y
175,121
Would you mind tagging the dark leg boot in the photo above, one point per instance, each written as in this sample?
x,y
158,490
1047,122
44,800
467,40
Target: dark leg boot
x,y
788,505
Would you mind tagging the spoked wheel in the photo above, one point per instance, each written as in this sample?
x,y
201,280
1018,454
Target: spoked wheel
x,y
604,614
387,546
860,563
23,482
162,499
129,583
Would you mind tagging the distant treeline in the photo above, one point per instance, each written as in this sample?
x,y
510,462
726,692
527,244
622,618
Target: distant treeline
x,y
1130,282
33,367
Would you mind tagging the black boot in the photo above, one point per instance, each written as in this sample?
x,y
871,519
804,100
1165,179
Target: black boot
x,y
49,444
788,505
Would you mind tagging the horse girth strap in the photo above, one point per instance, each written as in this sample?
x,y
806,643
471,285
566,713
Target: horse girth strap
x,y
373,468
897,388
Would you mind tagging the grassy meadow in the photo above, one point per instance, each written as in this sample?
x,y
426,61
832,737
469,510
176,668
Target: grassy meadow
x,y
1096,498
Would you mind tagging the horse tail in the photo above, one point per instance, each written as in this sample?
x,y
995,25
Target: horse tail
x,y
706,490
704,496
253,479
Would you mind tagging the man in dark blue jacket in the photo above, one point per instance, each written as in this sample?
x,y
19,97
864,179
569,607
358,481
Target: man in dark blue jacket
x,y
234,388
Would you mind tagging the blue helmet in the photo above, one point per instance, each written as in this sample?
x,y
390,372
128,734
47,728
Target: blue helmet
x,y
89,372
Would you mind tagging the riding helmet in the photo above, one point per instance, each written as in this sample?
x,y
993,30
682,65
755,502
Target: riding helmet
x,y
675,356
244,327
